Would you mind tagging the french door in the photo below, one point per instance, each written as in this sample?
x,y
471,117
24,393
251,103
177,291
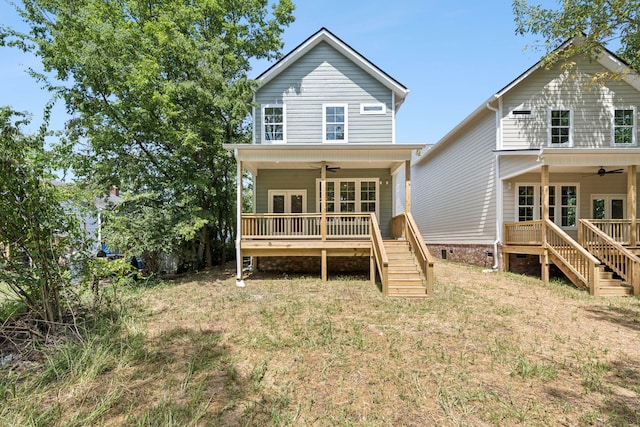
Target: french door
x,y
608,206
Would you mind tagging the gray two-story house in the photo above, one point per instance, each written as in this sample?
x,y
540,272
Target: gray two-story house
x,y
324,163
544,173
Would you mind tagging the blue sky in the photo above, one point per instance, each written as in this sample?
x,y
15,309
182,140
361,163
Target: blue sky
x,y
451,55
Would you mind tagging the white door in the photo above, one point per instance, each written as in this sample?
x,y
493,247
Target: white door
x,y
608,206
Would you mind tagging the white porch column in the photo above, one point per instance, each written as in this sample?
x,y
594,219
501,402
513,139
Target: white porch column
x,y
239,281
407,186
632,203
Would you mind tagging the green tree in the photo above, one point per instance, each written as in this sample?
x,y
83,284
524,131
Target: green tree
x,y
602,22
155,88
37,222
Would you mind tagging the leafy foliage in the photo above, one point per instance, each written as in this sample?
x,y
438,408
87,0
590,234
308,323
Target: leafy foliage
x,y
155,89
600,21
37,227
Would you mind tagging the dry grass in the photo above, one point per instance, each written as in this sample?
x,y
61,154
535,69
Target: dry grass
x,y
487,349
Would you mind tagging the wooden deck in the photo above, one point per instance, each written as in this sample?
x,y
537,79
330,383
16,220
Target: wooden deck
x,y
332,235
604,248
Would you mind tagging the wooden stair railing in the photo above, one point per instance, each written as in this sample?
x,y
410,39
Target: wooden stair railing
x,y
380,254
404,225
582,266
622,261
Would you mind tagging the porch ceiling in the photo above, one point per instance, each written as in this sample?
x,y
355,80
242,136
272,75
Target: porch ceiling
x,y
302,156
584,161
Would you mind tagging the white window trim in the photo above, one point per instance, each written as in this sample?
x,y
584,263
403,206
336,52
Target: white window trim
x,y
287,200
284,124
358,200
324,123
537,203
382,111
571,125
634,139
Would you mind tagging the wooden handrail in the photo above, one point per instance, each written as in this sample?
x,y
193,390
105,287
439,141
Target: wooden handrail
x,y
577,259
380,254
624,262
403,225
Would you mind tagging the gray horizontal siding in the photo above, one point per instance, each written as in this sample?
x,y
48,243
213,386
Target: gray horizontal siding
x,y
302,179
591,103
453,192
325,76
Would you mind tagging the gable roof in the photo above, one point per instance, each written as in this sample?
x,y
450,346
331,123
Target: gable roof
x,y
324,35
606,58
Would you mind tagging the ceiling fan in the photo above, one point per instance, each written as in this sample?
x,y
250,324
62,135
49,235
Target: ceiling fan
x,y
602,171
329,168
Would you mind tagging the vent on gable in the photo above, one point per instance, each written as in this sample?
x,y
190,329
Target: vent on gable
x,y
522,113
378,108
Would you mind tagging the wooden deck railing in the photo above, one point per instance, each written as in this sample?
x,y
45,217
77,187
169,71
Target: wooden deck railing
x,y
576,258
404,225
617,229
608,249
523,233
380,254
305,226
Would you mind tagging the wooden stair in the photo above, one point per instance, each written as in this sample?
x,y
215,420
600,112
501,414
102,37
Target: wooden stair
x,y
405,277
609,286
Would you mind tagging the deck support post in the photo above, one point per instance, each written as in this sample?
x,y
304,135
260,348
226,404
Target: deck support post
x,y
632,191
324,265
239,281
323,200
544,181
372,267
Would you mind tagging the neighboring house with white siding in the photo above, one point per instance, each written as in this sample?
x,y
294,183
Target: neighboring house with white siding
x,y
543,173
324,163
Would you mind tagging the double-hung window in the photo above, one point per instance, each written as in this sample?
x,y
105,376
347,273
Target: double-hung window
x,y
560,128
274,124
334,122
624,126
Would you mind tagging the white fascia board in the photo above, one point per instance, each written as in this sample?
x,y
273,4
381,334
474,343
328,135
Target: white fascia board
x,y
615,65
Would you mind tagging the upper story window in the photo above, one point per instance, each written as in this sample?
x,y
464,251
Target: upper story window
x,y
624,126
273,127
560,128
334,118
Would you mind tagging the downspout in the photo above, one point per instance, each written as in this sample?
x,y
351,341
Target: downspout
x,y
499,195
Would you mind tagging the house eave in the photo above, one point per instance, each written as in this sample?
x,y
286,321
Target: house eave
x,y
324,35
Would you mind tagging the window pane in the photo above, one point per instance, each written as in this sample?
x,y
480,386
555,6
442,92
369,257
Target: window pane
x,y
278,204
598,209
569,199
273,124
368,196
334,117
560,126
347,196
623,126
617,209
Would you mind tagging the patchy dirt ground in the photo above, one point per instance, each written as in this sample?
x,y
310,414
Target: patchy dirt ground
x,y
486,349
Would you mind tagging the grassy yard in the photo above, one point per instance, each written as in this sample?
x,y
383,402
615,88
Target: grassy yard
x,y
488,349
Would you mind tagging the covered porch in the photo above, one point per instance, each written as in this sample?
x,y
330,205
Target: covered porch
x,y
329,201
578,211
